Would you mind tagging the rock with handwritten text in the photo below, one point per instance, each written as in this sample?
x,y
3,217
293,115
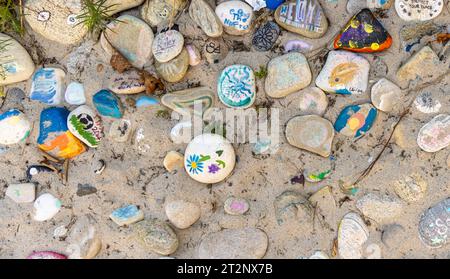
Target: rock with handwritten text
x,y
167,45
422,10
215,50
129,82
236,17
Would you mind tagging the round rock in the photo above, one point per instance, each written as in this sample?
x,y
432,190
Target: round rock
x,y
386,95
205,17
182,214
422,10
86,125
235,16
175,69
412,188
380,208
352,235
313,101
167,45
15,62
157,236
236,206
265,36
434,226
356,120
161,12
46,207
435,135
129,82
236,86
75,94
14,127
215,50
173,160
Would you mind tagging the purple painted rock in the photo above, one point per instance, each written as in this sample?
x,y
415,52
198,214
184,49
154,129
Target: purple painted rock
x,y
236,206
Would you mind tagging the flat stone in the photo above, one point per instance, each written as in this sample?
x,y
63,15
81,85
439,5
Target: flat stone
x,y
312,133
182,214
86,125
344,73
386,95
167,45
84,238
236,86
14,127
205,17
184,101
15,62
352,235
46,255
411,188
127,215
120,130
380,4
356,120
236,206
47,86
248,243
215,50
265,36
324,201
46,207
21,193
426,103
129,82
393,235
161,12
380,208
297,45
313,100
354,6
434,225
173,160
85,190
435,135
146,101
175,69
75,94
194,55
107,104
287,74
157,236
422,10
292,206
405,136
235,16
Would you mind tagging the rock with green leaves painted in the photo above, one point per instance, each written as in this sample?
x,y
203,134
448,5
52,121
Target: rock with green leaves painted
x,y
86,125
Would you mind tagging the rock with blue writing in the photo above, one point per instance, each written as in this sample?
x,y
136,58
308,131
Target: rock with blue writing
x,y
236,86
356,120
46,207
422,10
205,17
129,82
273,4
107,104
435,135
236,17
304,17
14,127
434,226
146,101
167,45
86,125
161,12
21,193
344,73
127,215
157,236
75,94
16,64
266,36
47,86
175,69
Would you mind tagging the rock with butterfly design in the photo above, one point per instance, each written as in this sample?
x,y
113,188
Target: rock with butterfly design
x,y
86,125
235,16
236,86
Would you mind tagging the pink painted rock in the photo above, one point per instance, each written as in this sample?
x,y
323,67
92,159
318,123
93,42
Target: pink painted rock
x,y
435,135
46,255
236,206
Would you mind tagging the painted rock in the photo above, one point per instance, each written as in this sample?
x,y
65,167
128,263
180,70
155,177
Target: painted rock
x,y
14,127
21,193
363,33
161,12
157,236
304,17
107,104
130,36
435,135
173,160
422,10
426,103
190,101
146,101
36,169
434,225
235,16
175,69
312,133
236,86
266,36
386,95
84,238
75,94
297,45
248,243
236,206
194,55
411,188
313,101
273,4
205,17
54,135
129,82
290,207
47,86
182,214
379,4
127,215
314,176
46,207
344,73
215,50
287,74
120,130
46,255
16,64
352,235
209,158
167,45
356,120
380,208
86,125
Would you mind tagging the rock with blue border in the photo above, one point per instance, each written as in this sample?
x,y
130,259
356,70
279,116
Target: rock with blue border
x,y
356,120
14,127
107,104
236,86
47,86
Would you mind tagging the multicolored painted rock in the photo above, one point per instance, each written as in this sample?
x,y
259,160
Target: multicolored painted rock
x,y
129,82
127,215
434,225
46,255
236,86
422,10
356,120
86,125
185,102
205,17
266,36
16,64
54,135
352,235
435,135
46,207
363,33
209,158
236,17
75,94
14,127
175,69
167,45
47,86
107,104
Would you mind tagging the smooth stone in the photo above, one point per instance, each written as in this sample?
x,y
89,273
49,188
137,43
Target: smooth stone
x,y
236,86
85,190
46,207
14,127
308,20
205,17
312,133
209,158
60,231
393,235
356,120
273,4
167,45
161,12
422,10
411,188
404,136
380,4
146,101
15,63
425,103
352,235
435,135
46,255
313,101
235,16
287,74
325,202
236,206
54,135
182,214
380,208
186,101
107,104
75,94
129,82
175,69
127,215
247,243
265,36
86,125
434,225
297,45
120,130
386,95
194,55
262,146
47,86
173,160
292,206
84,238
319,255
181,133
215,50
344,73
157,236
354,6
21,193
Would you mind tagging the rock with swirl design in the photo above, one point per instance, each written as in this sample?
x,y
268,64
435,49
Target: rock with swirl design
x,y
236,86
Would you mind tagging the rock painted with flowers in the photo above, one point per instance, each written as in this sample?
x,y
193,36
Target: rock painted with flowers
x,y
236,86
209,158
435,135
356,120
266,36
16,64
47,86
86,125
236,17
14,127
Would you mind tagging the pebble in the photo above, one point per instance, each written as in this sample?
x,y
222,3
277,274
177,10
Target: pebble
x,y
209,158
448,161
215,50
354,6
167,45
157,236
75,94
160,12
46,255
14,127
404,136
127,215
21,193
235,16
60,231
386,95
411,188
173,161
287,74
175,69
380,4
84,239
309,20
425,103
181,133
380,208
85,190
313,100
120,130
236,206
262,146
205,17
36,169
47,86
393,235
15,62
434,227
46,207
146,101
312,133
86,125
194,55
297,45
183,101
292,206
236,87
435,135
410,10
265,36
182,214
319,255
352,235
356,120
129,82
107,104
344,73
247,243
325,202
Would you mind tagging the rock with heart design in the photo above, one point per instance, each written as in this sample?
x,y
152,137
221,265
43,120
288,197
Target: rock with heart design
x,y
14,127
86,125
356,120
236,87
205,17
175,69
435,135
235,16
422,10
167,45
16,64
47,86
161,12
107,104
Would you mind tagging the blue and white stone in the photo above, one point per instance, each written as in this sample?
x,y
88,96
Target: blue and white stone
x,y
236,86
127,215
146,101
75,94
14,127
15,62
47,86
107,104
236,17
167,45
422,10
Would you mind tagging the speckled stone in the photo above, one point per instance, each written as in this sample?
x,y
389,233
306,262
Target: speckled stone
x,y
157,236
380,208
411,188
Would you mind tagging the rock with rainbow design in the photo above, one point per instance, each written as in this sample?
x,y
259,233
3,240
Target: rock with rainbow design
x,y
356,120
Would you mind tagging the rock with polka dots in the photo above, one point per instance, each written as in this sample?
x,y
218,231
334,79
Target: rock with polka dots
x,y
418,10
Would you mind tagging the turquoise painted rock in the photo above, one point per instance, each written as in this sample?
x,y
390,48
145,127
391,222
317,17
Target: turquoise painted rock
x,y
236,87
356,120
107,104
47,86
86,125
146,101
14,127
127,215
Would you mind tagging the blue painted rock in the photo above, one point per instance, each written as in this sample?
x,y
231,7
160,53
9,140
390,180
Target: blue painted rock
x,y
14,127
127,215
434,226
356,120
54,135
15,61
146,101
273,4
75,94
86,125
236,17
47,86
129,82
167,45
236,86
435,135
266,36
107,104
